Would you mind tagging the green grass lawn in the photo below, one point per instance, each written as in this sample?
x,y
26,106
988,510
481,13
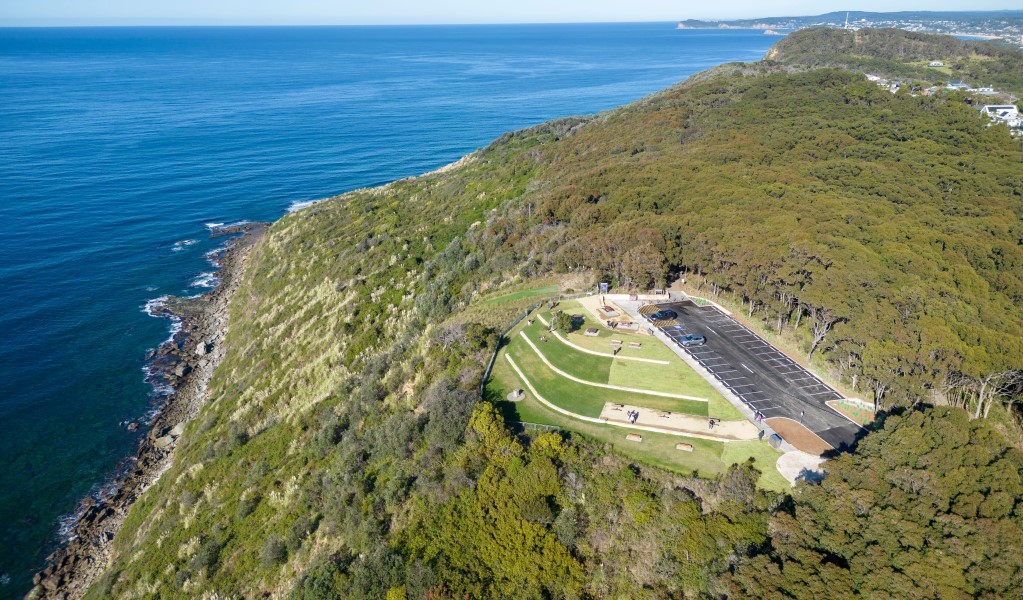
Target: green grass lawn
x,y
766,458
675,378
547,290
651,348
584,399
708,458
578,364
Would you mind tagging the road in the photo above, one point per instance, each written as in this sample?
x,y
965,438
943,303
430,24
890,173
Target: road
x,y
762,377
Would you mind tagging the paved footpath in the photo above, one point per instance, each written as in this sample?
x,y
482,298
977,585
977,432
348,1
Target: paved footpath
x,y
735,430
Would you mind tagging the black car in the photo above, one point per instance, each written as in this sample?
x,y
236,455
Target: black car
x,y
692,340
663,315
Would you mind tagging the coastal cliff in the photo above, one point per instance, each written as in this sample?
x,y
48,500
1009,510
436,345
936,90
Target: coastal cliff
x,y
186,363
345,451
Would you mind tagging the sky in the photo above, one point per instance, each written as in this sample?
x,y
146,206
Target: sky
x,y
363,12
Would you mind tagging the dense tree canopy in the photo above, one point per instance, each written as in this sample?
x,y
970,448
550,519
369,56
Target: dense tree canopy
x,y
927,507
899,53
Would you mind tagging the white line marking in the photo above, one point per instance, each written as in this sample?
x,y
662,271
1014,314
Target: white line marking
x,y
543,358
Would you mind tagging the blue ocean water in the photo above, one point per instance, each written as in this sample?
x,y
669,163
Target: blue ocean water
x,y
120,145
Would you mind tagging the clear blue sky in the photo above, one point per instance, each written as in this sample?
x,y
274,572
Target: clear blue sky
x,y
97,12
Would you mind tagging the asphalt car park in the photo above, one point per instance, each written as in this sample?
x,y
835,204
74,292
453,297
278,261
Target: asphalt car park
x,y
760,375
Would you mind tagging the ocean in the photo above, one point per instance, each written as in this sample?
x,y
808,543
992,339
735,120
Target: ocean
x,y
122,148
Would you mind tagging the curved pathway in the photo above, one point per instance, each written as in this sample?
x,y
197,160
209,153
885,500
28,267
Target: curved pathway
x,y
595,353
554,407
604,385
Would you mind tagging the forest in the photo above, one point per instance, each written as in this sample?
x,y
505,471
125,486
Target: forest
x,y
345,451
898,53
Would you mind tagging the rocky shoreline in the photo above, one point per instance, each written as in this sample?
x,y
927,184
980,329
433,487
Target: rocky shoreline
x,y
185,363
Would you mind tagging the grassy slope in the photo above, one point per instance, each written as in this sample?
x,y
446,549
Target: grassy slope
x,y
709,458
678,378
327,290
584,399
536,293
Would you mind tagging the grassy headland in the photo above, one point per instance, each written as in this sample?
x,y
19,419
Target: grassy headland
x,y
344,451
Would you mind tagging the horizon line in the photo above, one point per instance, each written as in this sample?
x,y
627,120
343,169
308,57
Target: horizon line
x,y
28,23
57,25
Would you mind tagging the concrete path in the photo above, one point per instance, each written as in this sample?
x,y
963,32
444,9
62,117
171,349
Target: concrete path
x,y
626,425
800,465
595,353
736,430
605,385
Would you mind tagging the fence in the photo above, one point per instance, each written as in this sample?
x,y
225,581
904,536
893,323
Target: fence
x,y
500,341
504,334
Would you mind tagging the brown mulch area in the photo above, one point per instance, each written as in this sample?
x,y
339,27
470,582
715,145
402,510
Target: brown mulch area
x,y
798,435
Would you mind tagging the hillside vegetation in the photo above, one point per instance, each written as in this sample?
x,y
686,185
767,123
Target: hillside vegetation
x,y
345,451
899,53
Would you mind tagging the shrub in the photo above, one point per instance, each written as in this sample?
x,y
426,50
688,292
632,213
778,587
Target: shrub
x,y
274,552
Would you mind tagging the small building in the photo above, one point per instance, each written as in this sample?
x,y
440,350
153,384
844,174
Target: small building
x,y
1000,112
957,85
935,63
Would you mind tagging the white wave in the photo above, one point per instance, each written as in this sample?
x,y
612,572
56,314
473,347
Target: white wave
x,y
150,308
214,227
152,305
299,205
206,280
160,388
179,246
213,256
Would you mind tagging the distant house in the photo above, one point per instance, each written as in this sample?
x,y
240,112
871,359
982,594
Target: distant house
x,y
957,85
1000,110
1002,113
935,63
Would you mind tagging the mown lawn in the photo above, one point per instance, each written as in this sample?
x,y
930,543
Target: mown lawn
x,y
584,399
675,378
579,364
766,458
547,290
650,346
708,458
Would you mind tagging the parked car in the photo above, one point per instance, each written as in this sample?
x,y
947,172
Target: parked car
x,y
693,340
663,315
